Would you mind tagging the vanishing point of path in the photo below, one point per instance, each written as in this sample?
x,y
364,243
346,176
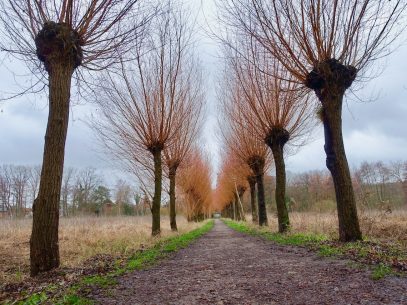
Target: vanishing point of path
x,y
229,268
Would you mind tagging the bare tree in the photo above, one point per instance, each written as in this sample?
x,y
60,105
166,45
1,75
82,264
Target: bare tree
x,y
67,187
5,188
186,135
87,180
63,35
273,108
194,183
398,170
325,45
34,181
144,106
20,176
231,185
246,146
123,195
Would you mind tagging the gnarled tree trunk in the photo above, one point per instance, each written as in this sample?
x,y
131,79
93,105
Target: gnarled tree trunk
x,y
156,206
44,249
238,217
329,80
257,165
58,47
173,220
253,205
261,200
276,140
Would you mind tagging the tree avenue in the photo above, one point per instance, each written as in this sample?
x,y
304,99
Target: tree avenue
x,y
242,143
274,109
325,45
287,66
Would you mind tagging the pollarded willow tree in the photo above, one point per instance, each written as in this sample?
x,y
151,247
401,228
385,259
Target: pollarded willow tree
x,y
231,185
326,45
241,141
146,107
194,184
274,109
185,136
59,39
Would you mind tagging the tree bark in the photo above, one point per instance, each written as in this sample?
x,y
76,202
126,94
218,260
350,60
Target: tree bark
x,y
173,220
330,79
261,200
44,249
282,211
252,184
337,164
156,206
234,209
241,209
238,214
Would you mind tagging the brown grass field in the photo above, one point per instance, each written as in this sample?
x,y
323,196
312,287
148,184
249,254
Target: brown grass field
x,y
81,239
382,226
85,237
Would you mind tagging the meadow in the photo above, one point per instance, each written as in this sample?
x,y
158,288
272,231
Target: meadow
x,y
85,242
88,242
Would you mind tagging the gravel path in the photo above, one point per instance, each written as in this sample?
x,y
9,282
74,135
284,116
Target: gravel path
x,y
225,267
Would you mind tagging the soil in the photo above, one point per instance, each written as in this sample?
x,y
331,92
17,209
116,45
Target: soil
x,y
225,267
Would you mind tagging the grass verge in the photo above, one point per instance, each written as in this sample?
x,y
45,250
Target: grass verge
x,y
76,293
383,259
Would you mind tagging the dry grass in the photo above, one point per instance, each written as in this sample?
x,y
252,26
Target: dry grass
x,y
80,239
387,227
84,237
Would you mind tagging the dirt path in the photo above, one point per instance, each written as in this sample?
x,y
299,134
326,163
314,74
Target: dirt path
x,y
227,267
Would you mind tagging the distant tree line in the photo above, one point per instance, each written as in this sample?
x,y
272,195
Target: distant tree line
x,y
83,192
378,185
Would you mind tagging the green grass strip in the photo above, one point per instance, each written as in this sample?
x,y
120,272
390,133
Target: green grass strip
x,y
298,239
359,251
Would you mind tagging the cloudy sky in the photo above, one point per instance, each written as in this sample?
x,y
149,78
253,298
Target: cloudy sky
x,y
375,117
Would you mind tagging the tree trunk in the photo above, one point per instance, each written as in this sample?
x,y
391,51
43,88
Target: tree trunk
x,y
261,200
252,184
282,211
173,221
241,209
237,208
44,249
330,79
337,164
156,206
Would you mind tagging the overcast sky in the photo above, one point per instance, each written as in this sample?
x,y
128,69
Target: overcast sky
x,y
375,129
